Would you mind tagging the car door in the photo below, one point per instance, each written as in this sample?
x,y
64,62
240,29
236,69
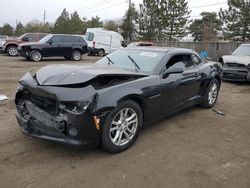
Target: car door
x,y
177,88
67,46
52,47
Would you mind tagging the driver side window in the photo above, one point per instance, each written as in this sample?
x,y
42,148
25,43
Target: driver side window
x,y
184,61
56,40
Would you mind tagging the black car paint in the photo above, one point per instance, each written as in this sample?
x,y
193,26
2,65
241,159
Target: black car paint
x,y
48,49
156,95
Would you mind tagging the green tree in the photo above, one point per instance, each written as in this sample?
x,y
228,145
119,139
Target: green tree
x,y
7,30
76,24
38,26
128,27
174,16
111,25
95,22
206,28
149,20
20,29
63,23
237,19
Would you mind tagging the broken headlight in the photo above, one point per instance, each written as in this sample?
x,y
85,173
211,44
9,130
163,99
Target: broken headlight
x,y
75,107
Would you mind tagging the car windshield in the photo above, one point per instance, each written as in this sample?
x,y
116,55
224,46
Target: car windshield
x,y
242,50
20,37
144,59
45,39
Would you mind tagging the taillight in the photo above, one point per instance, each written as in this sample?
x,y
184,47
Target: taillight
x,y
93,44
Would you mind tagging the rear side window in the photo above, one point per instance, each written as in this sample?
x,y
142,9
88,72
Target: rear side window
x,y
89,36
184,61
196,59
78,40
56,40
67,39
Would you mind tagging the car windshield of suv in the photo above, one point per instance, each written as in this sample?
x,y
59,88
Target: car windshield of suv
x,y
20,37
145,60
45,39
242,50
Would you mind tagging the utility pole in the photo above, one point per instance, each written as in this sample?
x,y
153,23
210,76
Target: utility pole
x,y
44,18
129,19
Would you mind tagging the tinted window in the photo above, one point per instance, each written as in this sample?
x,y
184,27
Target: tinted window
x,y
67,39
89,36
196,59
31,37
78,40
42,36
56,39
184,61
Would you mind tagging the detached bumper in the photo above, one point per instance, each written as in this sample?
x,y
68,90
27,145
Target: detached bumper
x,y
93,50
236,74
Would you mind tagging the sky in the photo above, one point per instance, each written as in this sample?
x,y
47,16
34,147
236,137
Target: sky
x,y
24,11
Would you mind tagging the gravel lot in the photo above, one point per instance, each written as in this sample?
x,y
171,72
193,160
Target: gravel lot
x,y
196,148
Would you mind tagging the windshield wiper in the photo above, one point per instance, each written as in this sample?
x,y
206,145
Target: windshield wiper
x,y
110,61
137,68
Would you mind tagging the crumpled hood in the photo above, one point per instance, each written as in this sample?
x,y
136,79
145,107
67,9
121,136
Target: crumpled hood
x,y
74,74
236,59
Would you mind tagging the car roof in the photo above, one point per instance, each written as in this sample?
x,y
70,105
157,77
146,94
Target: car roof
x,y
163,49
66,35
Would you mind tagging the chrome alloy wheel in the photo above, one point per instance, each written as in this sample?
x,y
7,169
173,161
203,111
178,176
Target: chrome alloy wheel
x,y
212,95
12,51
36,56
77,56
123,126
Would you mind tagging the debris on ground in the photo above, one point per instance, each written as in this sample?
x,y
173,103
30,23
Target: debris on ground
x,y
3,97
219,112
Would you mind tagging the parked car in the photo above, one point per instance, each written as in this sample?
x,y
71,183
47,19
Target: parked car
x,y
236,67
108,102
55,45
3,37
102,41
10,44
141,43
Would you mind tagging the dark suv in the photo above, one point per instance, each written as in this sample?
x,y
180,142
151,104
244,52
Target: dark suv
x,y
55,45
10,44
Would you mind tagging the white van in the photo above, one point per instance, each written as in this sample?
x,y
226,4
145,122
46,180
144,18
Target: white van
x,y
102,41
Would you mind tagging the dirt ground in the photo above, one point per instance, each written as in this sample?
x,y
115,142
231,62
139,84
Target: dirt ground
x,y
196,148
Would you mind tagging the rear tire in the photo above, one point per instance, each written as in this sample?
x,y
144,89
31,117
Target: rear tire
x,y
12,50
76,55
210,97
35,56
121,127
101,53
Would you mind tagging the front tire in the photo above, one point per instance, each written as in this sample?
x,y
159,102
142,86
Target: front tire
x,y
210,97
36,56
122,127
12,50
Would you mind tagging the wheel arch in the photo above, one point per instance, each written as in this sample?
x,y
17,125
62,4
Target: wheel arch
x,y
10,44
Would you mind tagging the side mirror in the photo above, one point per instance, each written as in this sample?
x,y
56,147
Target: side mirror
x,y
50,42
172,70
25,39
124,44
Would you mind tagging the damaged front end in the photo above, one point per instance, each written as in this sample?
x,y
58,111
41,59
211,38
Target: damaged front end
x,y
51,113
65,106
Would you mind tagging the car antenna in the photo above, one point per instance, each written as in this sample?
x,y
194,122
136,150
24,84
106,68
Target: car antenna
x,y
136,65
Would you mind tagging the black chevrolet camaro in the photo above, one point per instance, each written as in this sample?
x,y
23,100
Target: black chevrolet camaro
x,y
108,102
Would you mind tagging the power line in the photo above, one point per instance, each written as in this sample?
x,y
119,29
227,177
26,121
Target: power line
x,y
208,5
